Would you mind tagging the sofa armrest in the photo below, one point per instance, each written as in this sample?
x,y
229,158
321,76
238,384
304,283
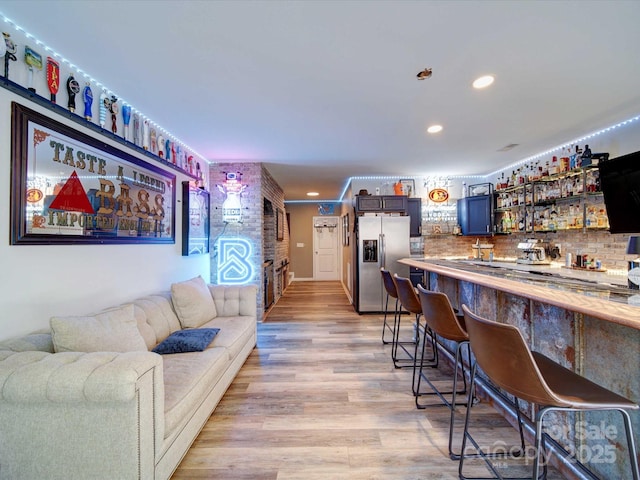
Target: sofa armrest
x,y
80,414
35,376
34,341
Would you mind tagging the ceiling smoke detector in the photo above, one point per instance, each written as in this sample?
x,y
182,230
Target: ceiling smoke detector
x,y
426,73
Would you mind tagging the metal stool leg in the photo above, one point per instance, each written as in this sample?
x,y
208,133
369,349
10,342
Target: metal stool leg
x,y
486,456
471,400
434,390
540,436
430,362
409,360
385,324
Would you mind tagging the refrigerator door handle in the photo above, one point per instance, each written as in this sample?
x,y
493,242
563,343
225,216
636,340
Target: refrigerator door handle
x,y
383,251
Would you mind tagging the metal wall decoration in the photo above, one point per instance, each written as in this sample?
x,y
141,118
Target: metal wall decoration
x,y
68,187
195,219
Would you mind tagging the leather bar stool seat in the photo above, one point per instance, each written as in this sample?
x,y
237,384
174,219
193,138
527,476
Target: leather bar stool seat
x,y
502,353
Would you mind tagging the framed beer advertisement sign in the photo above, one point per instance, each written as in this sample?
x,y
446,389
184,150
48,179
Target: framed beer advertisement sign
x,y
68,187
195,220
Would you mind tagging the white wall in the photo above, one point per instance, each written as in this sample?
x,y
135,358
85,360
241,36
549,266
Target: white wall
x,y
37,281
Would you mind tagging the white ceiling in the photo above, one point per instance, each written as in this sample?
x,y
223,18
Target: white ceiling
x,y
324,90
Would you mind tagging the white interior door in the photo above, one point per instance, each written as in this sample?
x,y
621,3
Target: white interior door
x,y
326,231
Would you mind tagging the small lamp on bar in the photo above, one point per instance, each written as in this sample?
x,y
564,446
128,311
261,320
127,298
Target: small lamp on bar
x,y
633,248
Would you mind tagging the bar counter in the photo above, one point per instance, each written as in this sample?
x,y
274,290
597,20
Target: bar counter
x,y
589,293
586,321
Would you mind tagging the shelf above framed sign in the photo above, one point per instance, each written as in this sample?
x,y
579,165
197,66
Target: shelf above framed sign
x,y
68,187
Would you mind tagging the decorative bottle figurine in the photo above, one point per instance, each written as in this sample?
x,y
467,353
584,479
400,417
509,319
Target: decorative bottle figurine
x,y
87,97
73,87
145,134
102,108
126,119
10,52
161,146
136,130
53,77
113,109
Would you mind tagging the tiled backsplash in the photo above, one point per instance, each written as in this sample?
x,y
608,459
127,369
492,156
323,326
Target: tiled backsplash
x,y
609,249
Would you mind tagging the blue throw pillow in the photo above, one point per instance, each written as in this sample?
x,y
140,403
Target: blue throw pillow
x,y
190,340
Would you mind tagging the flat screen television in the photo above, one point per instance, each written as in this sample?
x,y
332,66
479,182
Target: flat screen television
x,y
620,183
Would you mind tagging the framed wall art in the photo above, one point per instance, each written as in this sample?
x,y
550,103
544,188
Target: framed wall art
x,y
345,230
279,224
68,187
195,219
408,186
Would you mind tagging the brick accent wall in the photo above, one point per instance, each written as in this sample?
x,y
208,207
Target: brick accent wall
x,y
610,249
255,226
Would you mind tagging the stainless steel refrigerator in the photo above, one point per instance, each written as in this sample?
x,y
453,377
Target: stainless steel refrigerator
x,y
381,242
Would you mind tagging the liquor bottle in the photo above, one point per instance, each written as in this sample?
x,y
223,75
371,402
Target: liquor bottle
x,y
591,182
592,219
603,220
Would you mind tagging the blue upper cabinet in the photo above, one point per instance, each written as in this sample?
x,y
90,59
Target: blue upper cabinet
x,y
475,215
415,212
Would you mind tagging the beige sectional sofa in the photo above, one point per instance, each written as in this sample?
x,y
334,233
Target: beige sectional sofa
x,y
116,410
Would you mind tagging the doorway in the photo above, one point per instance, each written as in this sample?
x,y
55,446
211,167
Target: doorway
x,y
326,231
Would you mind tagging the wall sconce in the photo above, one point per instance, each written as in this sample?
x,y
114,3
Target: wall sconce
x,y
633,248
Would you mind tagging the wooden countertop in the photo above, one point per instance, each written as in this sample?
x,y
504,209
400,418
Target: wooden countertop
x,y
602,308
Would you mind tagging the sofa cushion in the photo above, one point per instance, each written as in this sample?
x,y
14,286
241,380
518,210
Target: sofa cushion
x,y
234,333
193,302
156,317
113,330
190,340
233,300
188,378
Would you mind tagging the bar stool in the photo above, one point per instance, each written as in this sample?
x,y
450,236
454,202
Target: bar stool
x,y
502,353
410,302
443,322
390,288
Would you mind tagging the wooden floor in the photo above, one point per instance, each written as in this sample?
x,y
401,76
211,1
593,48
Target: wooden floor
x,y
319,398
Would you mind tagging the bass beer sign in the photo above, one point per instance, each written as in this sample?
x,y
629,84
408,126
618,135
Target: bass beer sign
x,y
70,188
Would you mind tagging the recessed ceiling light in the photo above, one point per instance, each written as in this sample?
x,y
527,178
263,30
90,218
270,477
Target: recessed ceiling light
x,y
483,82
434,129
312,194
